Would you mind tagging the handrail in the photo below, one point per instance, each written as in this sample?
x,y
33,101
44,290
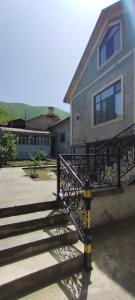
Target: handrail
x,y
76,198
72,172
116,136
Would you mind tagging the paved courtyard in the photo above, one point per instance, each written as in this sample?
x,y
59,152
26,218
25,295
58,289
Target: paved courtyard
x,y
113,274
16,188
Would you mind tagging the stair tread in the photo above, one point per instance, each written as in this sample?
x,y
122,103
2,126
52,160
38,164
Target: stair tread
x,y
54,291
30,216
39,262
27,208
34,236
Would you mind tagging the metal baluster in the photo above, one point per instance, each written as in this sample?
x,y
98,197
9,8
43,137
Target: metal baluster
x,y
58,178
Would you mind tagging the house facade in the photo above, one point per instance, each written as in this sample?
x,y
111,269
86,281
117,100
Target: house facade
x,y
102,92
61,131
43,122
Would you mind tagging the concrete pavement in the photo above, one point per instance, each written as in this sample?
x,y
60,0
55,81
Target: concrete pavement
x,y
16,188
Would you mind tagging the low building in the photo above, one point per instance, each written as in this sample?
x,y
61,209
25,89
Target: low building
x,y
28,142
45,132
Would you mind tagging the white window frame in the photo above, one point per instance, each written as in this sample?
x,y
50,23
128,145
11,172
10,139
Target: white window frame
x,y
101,90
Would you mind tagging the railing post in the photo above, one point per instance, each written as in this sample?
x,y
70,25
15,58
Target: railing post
x,y
118,167
58,177
87,225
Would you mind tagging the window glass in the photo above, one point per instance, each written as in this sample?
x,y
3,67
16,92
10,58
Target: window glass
x,y
98,113
108,104
118,105
106,93
77,117
110,43
104,111
62,137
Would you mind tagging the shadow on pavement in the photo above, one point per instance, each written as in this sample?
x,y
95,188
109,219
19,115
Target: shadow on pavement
x,y
114,252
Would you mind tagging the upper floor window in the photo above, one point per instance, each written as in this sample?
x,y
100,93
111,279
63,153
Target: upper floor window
x,y
77,118
108,104
110,43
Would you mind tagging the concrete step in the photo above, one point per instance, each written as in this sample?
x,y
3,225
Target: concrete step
x,y
24,250
23,277
27,223
29,208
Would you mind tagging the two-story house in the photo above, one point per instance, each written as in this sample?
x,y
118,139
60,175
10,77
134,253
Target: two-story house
x,y
102,91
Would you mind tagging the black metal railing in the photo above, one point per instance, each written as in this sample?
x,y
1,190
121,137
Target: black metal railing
x,y
98,169
75,195
121,146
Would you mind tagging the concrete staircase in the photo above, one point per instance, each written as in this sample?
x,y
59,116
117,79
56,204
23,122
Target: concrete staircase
x,y
38,247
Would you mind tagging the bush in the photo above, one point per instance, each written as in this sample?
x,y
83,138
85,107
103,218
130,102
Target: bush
x,y
33,167
7,148
40,155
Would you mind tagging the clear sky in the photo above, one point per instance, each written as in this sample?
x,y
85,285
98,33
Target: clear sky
x,y
41,43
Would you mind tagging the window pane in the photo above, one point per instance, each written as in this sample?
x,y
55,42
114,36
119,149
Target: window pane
x,y
118,86
110,48
109,106
62,137
108,92
113,31
110,43
104,111
118,105
102,54
97,113
117,41
97,98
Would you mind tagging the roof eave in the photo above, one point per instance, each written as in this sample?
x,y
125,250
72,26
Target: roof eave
x,y
103,17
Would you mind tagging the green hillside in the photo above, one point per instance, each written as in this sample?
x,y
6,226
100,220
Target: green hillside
x,y
19,110
5,117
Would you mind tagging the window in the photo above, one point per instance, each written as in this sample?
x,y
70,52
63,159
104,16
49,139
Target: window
x,y
23,140
77,118
62,137
108,104
110,44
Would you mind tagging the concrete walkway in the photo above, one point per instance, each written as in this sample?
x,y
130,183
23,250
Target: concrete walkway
x,y
113,275
16,188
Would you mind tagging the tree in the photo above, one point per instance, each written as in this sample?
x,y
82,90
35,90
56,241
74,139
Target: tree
x,y
7,148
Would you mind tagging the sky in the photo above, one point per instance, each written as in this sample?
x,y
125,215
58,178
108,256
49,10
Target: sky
x,y
41,44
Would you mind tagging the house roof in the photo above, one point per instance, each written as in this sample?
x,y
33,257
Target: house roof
x,y
47,115
103,19
60,122
23,131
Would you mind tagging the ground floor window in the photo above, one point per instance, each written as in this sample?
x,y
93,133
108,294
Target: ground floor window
x,y
62,137
108,104
33,140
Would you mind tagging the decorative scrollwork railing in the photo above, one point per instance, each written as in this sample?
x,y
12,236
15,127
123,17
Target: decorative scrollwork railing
x,y
121,146
70,191
98,170
75,195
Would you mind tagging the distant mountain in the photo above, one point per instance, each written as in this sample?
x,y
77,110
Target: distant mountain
x,y
5,117
11,111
